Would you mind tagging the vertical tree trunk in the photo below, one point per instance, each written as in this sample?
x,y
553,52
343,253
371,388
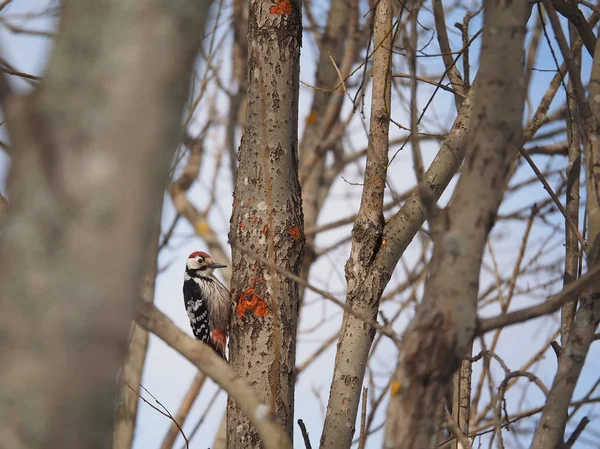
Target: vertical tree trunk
x,y
267,219
91,152
442,331
364,281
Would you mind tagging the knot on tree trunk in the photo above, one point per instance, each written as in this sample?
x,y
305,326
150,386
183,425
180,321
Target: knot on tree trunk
x,y
368,236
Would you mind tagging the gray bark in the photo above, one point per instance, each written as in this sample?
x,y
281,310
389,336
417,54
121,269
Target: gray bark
x,y
370,281
442,331
353,348
572,201
91,152
267,218
130,375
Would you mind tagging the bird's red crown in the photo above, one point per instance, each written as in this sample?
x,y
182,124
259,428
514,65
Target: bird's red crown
x,y
199,253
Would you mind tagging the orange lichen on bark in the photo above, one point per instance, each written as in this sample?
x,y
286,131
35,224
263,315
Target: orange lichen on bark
x,y
296,233
283,7
264,230
254,219
250,300
242,225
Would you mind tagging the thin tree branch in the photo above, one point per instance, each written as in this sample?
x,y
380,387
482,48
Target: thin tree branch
x,y
204,358
553,303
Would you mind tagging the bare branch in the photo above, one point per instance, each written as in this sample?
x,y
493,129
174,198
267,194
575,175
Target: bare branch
x,y
205,359
553,303
184,409
305,436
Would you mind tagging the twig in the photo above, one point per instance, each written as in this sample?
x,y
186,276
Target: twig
x,y
166,413
182,413
576,433
211,402
305,436
362,439
542,179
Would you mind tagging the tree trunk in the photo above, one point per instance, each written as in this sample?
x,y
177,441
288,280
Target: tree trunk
x,y
91,149
267,220
442,331
346,386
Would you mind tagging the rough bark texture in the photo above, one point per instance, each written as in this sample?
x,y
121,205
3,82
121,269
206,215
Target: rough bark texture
x,y
349,369
442,331
267,218
90,161
461,398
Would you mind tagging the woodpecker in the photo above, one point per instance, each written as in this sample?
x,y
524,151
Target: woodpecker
x,y
206,301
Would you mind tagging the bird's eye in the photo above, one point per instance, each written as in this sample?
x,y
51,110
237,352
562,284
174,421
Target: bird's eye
x,y
200,259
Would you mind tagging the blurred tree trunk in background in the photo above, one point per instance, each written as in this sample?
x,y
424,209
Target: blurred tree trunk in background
x,y
130,374
267,220
90,154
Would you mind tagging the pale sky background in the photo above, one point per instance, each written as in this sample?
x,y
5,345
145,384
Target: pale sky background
x,y
167,375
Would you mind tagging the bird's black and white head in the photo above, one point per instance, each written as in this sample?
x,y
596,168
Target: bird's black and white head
x,y
199,264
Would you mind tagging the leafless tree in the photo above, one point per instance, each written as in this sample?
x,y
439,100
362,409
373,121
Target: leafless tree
x,y
437,149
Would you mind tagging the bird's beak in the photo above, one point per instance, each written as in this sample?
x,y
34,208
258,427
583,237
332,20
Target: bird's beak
x,y
216,265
